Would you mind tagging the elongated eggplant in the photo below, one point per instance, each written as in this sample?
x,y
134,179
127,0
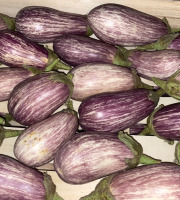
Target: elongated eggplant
x,y
18,181
88,156
38,143
164,122
6,22
94,78
44,24
116,111
121,25
37,97
158,182
160,64
76,50
9,78
18,51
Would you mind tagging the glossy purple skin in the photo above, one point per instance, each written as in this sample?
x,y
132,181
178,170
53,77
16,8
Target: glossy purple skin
x,y
175,44
76,50
94,78
36,98
9,78
88,156
115,111
17,51
37,144
157,181
166,122
43,24
18,181
120,25
160,64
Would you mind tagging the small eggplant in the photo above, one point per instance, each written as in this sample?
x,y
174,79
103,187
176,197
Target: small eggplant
x,y
38,143
157,182
44,24
18,181
121,25
116,111
76,50
18,51
164,122
6,22
9,78
160,64
37,97
88,156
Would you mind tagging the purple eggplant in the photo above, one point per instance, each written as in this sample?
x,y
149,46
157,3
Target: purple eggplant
x,y
18,181
9,78
164,122
88,156
38,143
121,25
76,50
94,78
44,24
6,22
160,64
18,51
157,182
37,97
115,111
135,129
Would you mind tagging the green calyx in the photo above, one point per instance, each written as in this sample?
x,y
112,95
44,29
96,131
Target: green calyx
x,y
171,86
170,30
153,96
177,153
9,21
70,108
89,31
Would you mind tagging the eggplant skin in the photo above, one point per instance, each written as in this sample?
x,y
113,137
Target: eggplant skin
x,y
18,51
44,24
37,145
115,111
36,98
160,64
121,25
94,78
76,50
9,78
18,181
166,122
88,156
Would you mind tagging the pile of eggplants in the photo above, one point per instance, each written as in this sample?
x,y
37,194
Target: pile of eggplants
x,y
39,84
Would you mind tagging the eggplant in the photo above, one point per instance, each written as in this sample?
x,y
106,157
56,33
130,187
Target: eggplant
x,y
18,51
37,144
157,181
121,25
76,50
164,122
18,181
88,156
9,78
159,64
135,129
44,24
6,22
115,111
39,96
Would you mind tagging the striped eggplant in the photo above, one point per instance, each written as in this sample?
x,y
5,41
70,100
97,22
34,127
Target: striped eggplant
x,y
149,182
160,64
18,51
115,111
94,78
121,25
164,122
6,22
37,97
18,181
38,143
76,50
88,156
135,129
44,24
9,78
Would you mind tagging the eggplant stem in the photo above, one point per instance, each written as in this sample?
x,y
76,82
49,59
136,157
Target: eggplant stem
x,y
148,160
177,153
61,65
160,92
57,197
